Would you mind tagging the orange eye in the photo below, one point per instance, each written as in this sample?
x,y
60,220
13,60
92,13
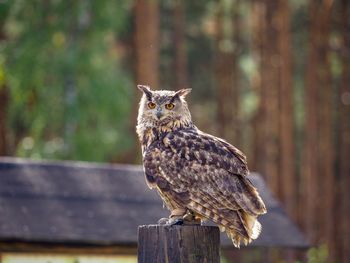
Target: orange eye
x,y
151,105
169,106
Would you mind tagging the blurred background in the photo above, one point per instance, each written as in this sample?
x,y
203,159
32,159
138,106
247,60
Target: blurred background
x,y
271,77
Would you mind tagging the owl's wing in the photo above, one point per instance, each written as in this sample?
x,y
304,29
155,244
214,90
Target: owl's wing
x,y
231,151
208,176
203,169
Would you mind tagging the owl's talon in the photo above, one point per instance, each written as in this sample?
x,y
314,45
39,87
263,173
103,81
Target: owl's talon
x,y
175,222
163,221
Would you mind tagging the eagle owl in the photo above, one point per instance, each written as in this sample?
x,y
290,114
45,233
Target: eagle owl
x,y
197,175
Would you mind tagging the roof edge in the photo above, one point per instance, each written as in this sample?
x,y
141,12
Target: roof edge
x,y
67,163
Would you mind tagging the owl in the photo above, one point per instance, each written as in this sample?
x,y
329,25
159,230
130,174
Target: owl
x,y
197,175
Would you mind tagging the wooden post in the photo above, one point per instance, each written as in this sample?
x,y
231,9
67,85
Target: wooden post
x,y
178,244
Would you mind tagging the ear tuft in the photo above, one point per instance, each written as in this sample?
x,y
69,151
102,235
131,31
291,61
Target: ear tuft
x,y
146,90
183,92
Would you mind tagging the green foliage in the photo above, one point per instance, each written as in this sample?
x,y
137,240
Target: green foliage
x,y
223,259
318,254
70,92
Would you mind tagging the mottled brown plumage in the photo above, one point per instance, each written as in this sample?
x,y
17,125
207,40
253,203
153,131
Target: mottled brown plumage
x,y
195,172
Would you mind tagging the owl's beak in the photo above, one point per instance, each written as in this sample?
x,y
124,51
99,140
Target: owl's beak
x,y
159,114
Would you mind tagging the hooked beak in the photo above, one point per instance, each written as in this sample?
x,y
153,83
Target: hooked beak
x,y
159,114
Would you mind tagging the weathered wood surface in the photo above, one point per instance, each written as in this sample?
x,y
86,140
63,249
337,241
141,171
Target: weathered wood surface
x,y
178,244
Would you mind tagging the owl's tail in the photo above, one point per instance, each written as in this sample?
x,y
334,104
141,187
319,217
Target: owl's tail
x,y
252,225
239,225
252,229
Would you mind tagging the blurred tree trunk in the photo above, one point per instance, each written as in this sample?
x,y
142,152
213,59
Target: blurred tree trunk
x,y
287,154
287,140
270,97
318,165
258,26
326,139
146,43
226,70
267,126
236,124
181,80
310,161
344,120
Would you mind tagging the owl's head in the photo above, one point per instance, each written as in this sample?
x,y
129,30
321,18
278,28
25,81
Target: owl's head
x,y
163,107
